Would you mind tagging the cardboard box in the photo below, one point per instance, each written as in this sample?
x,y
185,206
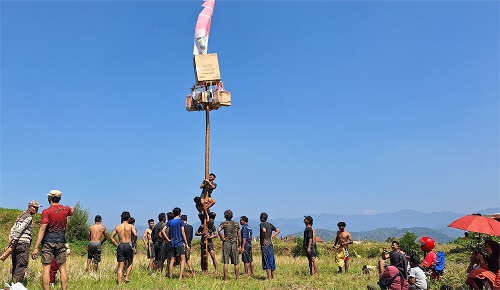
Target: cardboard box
x,y
206,68
202,97
189,103
221,98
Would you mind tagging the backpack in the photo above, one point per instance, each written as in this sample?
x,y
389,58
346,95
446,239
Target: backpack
x,y
440,261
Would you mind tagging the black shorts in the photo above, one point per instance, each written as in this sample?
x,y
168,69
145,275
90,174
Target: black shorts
x,y
313,253
177,252
246,256
124,252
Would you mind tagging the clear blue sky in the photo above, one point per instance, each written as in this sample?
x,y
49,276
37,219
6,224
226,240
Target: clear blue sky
x,y
338,106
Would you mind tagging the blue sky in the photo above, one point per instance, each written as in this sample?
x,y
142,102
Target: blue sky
x,y
341,107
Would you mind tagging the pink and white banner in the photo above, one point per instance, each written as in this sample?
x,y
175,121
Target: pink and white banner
x,y
202,30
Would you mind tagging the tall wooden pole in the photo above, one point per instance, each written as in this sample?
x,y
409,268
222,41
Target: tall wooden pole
x,y
207,141
204,256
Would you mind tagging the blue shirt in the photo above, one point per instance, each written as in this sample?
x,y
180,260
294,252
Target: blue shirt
x,y
174,229
246,232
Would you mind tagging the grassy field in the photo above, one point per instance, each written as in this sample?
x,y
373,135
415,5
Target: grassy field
x,y
291,273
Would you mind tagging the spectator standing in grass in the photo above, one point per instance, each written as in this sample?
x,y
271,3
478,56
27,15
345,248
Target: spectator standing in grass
x,y
20,241
124,249
188,229
159,242
229,233
52,236
310,245
343,239
178,242
97,236
147,239
246,245
267,232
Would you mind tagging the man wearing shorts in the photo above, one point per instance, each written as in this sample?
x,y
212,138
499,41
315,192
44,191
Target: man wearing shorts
x,y
159,242
178,242
343,239
229,233
207,240
188,229
147,239
246,246
310,245
97,235
266,245
52,236
124,249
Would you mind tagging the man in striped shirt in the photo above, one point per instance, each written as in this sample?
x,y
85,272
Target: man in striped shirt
x,y
20,241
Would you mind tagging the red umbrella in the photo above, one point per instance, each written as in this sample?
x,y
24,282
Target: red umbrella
x,y
477,224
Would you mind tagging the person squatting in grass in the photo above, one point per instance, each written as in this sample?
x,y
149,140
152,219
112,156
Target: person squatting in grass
x,y
246,245
178,242
96,236
53,234
20,241
310,245
147,239
207,237
229,233
266,245
124,249
343,239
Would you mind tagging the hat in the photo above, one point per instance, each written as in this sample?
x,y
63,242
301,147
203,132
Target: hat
x,y
309,218
34,203
54,193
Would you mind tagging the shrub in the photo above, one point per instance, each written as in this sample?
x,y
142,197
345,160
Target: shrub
x,y
78,225
408,245
298,249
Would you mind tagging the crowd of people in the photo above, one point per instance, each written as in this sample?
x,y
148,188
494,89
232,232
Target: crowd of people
x,y
168,243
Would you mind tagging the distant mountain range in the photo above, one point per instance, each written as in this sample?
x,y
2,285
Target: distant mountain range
x,y
377,227
382,234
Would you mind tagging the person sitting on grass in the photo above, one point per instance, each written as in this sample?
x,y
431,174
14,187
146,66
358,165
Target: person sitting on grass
x,y
416,276
390,277
487,271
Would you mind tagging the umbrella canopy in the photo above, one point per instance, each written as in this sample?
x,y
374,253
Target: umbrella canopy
x,y
477,224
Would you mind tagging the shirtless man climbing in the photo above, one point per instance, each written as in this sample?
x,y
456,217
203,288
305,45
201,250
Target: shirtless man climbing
x,y
124,249
343,239
97,236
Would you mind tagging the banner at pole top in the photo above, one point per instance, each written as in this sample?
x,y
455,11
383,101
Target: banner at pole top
x,y
202,29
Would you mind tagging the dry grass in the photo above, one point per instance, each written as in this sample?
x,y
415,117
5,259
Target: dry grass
x,y
291,273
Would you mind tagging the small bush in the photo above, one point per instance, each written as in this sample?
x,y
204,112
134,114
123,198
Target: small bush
x,y
78,225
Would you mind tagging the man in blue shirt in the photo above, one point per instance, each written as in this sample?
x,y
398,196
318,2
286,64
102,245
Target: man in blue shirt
x,y
178,241
246,246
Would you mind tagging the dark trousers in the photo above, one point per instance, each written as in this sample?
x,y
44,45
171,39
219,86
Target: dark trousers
x,y
20,258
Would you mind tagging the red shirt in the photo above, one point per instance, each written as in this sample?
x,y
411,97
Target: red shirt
x,y
429,259
55,217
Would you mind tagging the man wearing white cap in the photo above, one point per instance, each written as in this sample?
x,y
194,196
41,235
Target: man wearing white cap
x,y
53,234
20,241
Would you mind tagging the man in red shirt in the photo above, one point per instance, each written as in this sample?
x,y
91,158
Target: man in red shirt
x,y
52,236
